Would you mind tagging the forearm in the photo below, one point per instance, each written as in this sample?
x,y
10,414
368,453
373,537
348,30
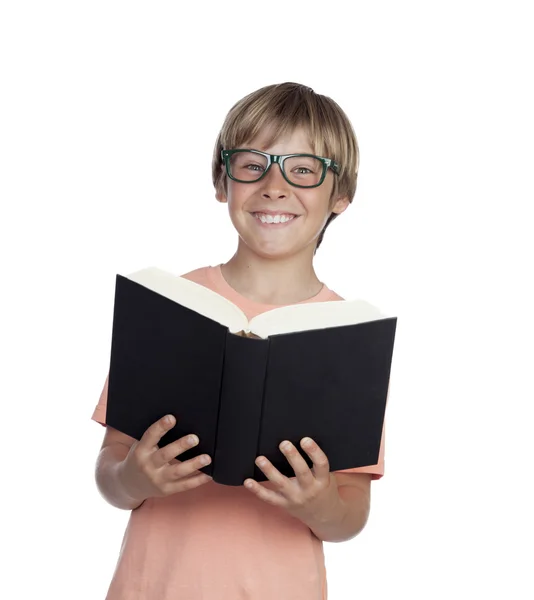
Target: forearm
x,y
343,521
108,478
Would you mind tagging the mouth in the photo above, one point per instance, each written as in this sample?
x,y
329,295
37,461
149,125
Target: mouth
x,y
271,219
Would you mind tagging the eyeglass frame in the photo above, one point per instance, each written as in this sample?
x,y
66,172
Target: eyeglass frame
x,y
328,163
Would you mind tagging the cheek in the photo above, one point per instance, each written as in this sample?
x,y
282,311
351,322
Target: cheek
x,y
317,204
239,194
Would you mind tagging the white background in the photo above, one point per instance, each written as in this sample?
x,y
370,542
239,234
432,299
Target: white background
x,y
109,113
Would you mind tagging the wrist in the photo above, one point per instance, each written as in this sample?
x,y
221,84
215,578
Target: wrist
x,y
132,499
328,523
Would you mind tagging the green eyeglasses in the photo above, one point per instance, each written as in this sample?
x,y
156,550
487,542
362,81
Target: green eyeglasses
x,y
300,170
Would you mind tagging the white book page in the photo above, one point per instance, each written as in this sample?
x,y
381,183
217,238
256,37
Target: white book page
x,y
317,315
193,296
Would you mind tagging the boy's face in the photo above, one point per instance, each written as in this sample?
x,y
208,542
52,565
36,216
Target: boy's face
x,y
309,208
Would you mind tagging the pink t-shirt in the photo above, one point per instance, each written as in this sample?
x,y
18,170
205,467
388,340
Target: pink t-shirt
x,y
220,542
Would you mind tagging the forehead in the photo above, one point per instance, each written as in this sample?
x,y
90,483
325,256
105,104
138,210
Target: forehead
x,y
271,140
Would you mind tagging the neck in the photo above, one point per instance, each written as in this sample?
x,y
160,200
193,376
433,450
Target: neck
x,y
272,281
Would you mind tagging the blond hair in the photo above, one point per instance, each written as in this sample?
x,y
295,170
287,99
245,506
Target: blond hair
x,y
286,107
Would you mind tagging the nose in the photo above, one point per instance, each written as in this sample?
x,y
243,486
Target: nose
x,y
274,184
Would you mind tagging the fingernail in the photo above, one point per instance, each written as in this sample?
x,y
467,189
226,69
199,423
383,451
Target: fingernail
x,y
205,460
169,420
192,439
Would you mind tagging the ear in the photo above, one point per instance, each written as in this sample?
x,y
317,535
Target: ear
x,y
341,205
221,196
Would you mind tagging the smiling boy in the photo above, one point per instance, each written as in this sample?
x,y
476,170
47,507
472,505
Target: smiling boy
x,y
286,164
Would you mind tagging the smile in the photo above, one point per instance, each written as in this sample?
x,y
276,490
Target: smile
x,y
273,219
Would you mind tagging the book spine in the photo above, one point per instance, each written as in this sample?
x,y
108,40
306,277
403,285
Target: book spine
x,y
240,409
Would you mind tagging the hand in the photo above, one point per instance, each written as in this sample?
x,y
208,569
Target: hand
x,y
149,470
307,496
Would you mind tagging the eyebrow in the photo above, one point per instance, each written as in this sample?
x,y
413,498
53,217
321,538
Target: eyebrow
x,y
285,154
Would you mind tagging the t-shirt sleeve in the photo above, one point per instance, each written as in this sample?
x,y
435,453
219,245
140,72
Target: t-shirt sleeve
x,y
99,413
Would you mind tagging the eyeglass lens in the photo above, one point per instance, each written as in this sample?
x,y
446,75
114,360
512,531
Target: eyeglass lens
x,y
301,170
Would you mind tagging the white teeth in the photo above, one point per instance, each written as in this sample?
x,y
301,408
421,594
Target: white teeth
x,y
274,219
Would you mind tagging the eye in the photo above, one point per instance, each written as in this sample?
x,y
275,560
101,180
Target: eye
x,y
303,166
252,167
302,170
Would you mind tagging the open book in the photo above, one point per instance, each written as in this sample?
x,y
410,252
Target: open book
x,y
316,369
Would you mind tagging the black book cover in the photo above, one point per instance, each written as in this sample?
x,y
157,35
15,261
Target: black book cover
x,y
242,396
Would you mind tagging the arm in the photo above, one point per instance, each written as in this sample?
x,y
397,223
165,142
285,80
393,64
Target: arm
x,y
347,518
114,450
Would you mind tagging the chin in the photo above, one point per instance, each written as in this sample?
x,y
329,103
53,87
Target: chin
x,y
273,252
267,250
264,247
270,253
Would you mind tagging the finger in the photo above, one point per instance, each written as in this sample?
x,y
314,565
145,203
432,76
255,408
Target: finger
x,y
300,466
321,466
173,462
271,472
156,431
174,449
189,483
187,467
269,496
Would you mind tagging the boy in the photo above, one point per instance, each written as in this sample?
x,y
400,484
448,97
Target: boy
x,y
189,538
